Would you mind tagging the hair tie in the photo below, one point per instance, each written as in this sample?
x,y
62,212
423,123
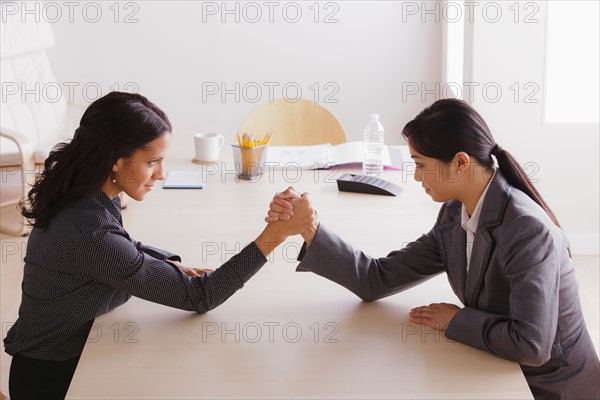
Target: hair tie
x,y
497,149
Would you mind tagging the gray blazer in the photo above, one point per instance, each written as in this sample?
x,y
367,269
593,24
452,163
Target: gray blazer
x,y
520,295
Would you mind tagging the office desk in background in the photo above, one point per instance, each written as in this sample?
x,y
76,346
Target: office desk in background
x,y
285,334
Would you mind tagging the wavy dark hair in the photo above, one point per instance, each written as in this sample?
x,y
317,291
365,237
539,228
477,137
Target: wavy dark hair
x,y
112,127
450,126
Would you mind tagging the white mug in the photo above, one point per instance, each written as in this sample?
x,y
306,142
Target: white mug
x,y
208,146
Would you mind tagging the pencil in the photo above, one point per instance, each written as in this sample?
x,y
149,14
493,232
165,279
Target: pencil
x,y
250,155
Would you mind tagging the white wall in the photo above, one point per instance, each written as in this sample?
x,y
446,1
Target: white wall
x,y
383,57
177,49
562,158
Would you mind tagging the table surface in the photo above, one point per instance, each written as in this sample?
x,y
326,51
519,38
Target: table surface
x,y
286,334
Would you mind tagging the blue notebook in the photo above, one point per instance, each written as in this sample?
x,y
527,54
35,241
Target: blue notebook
x,y
184,180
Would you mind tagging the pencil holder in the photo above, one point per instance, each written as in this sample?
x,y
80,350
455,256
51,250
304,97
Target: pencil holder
x,y
249,161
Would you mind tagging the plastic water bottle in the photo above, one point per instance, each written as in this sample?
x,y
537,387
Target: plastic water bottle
x,y
372,162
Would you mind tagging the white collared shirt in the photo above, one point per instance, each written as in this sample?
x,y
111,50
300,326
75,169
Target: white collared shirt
x,y
469,222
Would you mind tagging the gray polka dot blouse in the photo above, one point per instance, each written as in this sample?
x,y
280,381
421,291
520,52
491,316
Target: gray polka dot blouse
x,y
84,264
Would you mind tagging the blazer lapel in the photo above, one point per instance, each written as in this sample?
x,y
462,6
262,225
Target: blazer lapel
x,y
483,246
453,242
491,215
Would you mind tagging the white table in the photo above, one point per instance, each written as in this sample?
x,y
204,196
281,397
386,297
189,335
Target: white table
x,y
285,334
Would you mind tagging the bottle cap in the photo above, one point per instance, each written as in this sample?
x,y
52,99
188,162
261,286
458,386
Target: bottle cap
x,y
374,116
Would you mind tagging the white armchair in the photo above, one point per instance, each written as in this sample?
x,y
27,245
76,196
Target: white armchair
x,y
34,114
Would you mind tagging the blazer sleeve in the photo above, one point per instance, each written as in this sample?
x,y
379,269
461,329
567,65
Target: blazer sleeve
x,y
109,256
368,277
528,252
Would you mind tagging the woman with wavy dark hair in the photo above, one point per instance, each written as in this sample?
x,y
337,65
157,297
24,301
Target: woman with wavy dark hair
x,y
80,261
501,246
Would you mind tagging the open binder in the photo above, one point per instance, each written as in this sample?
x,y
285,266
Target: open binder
x,y
323,156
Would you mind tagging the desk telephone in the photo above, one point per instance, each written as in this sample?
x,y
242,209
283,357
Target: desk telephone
x,y
367,184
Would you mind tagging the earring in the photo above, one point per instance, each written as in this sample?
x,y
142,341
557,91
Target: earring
x,y
114,172
459,172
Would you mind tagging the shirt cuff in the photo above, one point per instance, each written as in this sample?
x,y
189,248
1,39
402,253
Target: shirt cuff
x,y
306,250
303,251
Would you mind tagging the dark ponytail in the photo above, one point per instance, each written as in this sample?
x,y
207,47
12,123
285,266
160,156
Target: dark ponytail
x,y
449,126
112,127
516,176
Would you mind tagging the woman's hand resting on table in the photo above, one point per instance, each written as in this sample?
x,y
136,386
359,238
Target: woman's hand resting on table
x,y
285,205
189,271
435,315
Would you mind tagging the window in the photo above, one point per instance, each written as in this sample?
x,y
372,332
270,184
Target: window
x,y
571,83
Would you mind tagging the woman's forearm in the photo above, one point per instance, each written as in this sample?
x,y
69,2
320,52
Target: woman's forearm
x,y
309,234
271,237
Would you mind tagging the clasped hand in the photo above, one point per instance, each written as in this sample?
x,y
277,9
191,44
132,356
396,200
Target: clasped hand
x,y
290,205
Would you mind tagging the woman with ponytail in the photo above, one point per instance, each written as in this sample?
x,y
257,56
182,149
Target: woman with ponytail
x,y
506,257
81,262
